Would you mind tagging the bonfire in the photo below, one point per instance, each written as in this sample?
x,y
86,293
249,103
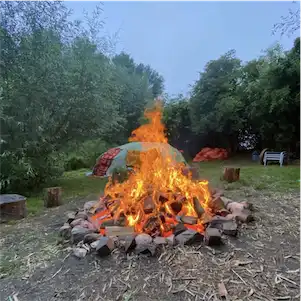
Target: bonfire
x,y
158,202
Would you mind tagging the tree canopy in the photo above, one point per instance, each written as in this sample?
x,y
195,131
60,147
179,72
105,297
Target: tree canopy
x,y
62,87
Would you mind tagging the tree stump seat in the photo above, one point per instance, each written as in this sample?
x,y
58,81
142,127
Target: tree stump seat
x,y
231,174
53,197
12,206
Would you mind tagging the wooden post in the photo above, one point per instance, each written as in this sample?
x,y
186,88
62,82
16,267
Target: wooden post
x,y
53,197
231,174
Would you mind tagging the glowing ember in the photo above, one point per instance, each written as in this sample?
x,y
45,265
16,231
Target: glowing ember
x,y
157,191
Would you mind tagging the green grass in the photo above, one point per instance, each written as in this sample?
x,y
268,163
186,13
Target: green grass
x,y
74,184
272,178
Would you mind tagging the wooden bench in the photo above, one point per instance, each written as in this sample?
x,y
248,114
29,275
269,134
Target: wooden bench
x,y
274,156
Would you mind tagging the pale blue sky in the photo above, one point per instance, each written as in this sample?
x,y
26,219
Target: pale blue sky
x,y
179,38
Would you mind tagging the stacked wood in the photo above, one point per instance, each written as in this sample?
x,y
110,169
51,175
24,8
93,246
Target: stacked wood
x,y
231,174
53,197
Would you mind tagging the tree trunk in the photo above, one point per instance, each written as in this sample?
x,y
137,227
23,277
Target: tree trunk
x,y
53,197
231,174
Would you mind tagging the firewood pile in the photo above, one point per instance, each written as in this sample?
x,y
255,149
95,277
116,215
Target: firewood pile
x,y
95,230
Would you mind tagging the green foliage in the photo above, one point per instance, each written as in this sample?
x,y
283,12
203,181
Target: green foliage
x,y
258,101
84,155
61,88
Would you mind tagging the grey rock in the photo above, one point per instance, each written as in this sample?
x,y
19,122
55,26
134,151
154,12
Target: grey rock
x,y
143,239
76,222
189,237
129,243
146,249
78,233
230,228
171,240
94,244
89,205
104,246
212,237
160,240
70,217
80,252
65,231
89,238
179,228
82,215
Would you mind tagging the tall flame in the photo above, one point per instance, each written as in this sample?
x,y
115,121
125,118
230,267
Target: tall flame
x,y
152,131
159,178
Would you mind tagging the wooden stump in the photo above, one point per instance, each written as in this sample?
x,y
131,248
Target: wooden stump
x,y
53,197
12,206
231,174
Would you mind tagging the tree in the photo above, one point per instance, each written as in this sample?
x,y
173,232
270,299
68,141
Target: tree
x,y
290,23
60,87
216,108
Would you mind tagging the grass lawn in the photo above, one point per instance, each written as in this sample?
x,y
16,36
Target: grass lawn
x,y
74,184
273,177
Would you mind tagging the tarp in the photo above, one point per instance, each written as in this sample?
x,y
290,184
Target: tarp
x,y
130,154
210,154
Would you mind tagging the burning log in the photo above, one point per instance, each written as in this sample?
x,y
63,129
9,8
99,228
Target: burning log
x,y
152,225
216,203
231,174
162,201
53,197
148,205
191,172
119,231
179,228
190,220
198,207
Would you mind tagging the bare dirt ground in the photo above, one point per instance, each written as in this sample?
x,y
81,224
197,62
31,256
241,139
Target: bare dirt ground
x,y
262,263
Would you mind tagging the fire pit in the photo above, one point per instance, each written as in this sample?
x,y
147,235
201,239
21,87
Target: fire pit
x,y
159,203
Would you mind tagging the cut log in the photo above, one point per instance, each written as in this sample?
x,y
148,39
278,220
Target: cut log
x,y
198,207
231,174
119,231
12,206
53,197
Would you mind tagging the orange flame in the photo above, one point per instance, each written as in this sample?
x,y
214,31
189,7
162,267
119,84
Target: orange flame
x,y
159,176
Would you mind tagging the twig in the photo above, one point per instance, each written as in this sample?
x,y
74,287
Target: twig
x,y
185,278
56,273
288,280
239,276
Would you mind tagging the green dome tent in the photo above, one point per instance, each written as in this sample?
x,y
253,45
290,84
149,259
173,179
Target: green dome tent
x,y
122,156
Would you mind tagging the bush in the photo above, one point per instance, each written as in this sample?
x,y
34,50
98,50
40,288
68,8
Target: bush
x,y
74,163
20,173
85,155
